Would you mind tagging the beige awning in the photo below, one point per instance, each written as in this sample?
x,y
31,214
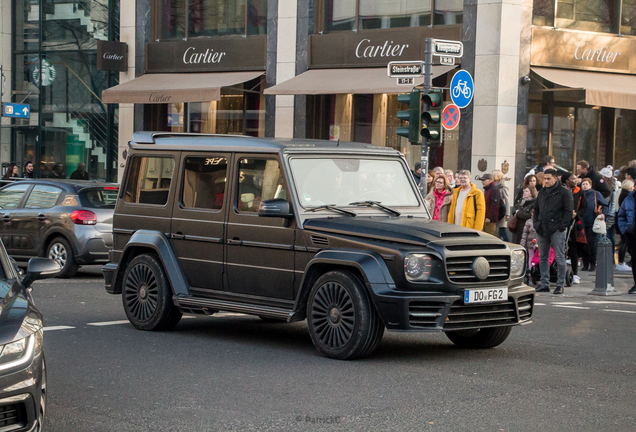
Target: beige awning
x,y
345,81
175,88
601,89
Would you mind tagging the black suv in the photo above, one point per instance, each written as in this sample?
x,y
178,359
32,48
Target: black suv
x,y
335,233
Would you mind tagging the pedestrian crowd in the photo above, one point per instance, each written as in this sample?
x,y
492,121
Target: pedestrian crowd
x,y
556,215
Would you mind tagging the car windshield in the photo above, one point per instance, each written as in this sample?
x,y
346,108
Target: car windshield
x,y
99,198
343,181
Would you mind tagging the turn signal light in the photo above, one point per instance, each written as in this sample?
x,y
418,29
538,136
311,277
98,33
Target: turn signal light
x,y
83,217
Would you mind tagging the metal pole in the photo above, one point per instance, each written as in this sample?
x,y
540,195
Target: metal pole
x,y
604,283
428,73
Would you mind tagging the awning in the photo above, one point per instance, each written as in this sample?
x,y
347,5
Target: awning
x,y
344,81
601,89
175,88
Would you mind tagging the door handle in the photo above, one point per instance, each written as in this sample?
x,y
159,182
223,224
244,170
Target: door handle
x,y
234,241
41,217
178,236
6,218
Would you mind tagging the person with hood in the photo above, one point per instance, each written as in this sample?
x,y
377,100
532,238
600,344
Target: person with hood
x,y
593,199
523,212
552,216
492,197
627,225
584,170
417,172
439,199
468,208
575,248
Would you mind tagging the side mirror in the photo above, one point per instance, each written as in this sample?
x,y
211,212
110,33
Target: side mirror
x,y
275,208
40,268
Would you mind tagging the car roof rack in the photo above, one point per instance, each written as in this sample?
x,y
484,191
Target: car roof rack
x,y
149,137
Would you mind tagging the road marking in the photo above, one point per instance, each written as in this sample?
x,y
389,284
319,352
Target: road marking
x,y
109,323
566,303
617,310
57,328
610,302
539,304
571,307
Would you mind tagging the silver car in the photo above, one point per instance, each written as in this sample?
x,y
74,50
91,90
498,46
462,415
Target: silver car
x,y
69,221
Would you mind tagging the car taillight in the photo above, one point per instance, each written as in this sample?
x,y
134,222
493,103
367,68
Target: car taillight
x,y
84,217
110,188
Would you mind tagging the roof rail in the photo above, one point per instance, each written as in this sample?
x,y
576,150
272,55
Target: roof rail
x,y
149,137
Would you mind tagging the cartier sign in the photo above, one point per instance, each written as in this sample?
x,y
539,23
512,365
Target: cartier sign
x,y
112,56
206,55
374,48
574,50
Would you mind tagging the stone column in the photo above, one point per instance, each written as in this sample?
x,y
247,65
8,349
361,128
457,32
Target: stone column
x,y
497,50
523,97
286,65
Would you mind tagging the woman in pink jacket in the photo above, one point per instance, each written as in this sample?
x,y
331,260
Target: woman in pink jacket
x,y
439,199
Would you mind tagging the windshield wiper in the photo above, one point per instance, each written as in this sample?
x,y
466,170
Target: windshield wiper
x,y
332,207
377,204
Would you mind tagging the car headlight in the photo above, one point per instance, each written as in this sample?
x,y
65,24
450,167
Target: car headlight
x,y
418,267
517,262
20,352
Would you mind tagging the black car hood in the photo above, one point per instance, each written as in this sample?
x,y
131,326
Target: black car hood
x,y
402,229
15,307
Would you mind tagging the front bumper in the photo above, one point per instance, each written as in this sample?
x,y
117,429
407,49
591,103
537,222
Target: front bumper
x,y
432,312
20,397
110,270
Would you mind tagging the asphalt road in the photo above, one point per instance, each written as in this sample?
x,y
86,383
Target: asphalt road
x,y
573,369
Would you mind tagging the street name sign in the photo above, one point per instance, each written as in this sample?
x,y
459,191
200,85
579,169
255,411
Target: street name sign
x,y
405,69
447,61
450,117
406,81
16,110
462,88
447,48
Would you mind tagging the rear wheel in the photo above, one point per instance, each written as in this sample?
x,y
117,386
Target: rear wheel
x,y
343,323
147,296
479,338
569,277
60,251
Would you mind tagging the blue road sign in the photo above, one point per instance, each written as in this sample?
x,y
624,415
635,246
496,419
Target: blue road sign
x,y
16,110
462,88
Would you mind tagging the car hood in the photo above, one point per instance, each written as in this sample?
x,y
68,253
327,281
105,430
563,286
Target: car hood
x,y
15,308
396,229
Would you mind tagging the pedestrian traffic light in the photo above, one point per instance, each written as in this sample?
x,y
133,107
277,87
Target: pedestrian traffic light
x,y
431,117
413,115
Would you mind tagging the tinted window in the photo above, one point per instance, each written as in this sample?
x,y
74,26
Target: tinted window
x,y
259,180
149,180
11,196
204,182
43,196
99,198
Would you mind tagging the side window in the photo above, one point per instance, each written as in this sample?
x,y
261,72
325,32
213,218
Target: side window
x,y
204,182
43,196
259,180
149,180
11,196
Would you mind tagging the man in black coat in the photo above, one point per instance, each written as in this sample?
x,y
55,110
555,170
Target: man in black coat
x,y
583,170
552,216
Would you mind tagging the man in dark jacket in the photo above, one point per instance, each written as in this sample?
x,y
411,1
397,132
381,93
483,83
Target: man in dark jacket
x,y
552,216
493,203
583,170
627,225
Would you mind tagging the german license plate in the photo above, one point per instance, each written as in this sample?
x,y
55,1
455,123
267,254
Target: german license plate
x,y
486,295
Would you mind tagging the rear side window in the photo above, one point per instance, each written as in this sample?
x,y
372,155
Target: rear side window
x,y
204,182
149,180
99,198
43,196
10,197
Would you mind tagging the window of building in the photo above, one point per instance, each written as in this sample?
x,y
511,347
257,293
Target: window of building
x,y
43,196
10,197
149,180
204,182
259,180
624,148
587,15
193,18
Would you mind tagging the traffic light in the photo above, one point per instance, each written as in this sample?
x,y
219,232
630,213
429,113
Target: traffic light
x,y
413,115
431,116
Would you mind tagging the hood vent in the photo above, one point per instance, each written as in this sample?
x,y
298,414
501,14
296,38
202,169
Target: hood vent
x,y
461,234
475,247
319,241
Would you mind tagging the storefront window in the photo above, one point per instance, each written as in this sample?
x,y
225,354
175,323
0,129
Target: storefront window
x,y
587,135
588,15
538,135
628,17
173,19
543,12
563,136
448,12
340,15
27,35
624,148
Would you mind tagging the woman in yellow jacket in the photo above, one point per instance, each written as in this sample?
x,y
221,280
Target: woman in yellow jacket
x,y
473,204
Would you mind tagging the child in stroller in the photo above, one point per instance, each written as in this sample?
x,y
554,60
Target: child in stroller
x,y
535,273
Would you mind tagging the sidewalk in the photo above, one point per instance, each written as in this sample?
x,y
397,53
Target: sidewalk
x,y
623,281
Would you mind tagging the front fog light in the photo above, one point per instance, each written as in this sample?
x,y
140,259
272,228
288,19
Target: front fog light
x,y
517,262
418,267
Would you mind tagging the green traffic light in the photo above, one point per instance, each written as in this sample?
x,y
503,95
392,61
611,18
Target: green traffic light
x,y
431,118
412,115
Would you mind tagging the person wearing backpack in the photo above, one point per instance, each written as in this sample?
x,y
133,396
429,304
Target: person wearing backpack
x,y
627,225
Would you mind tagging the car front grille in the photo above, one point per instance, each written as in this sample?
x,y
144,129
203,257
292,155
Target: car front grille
x,y
460,269
13,414
525,305
423,314
463,316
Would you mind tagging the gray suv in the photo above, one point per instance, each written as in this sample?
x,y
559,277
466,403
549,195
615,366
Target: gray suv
x,y
69,221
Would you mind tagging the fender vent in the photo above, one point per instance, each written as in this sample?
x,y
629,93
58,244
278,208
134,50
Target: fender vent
x,y
320,241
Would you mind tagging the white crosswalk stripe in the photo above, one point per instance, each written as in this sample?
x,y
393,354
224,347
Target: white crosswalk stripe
x,y
51,328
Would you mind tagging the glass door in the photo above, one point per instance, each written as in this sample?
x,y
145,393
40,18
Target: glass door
x,y
563,136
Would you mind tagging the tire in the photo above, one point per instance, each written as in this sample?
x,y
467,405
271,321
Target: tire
x,y
479,338
343,323
569,278
272,320
43,396
147,296
61,252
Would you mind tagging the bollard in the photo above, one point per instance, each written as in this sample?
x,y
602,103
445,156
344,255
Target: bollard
x,y
604,285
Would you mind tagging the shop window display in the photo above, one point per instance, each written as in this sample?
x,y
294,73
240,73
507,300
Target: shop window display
x,y
587,15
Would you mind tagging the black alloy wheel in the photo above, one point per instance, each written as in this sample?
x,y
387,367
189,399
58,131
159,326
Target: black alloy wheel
x,y
343,323
147,296
479,338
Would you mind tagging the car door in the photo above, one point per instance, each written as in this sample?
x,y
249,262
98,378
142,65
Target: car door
x,y
36,216
259,250
198,218
11,198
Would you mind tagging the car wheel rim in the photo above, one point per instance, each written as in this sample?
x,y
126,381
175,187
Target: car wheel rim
x,y
333,316
58,254
141,292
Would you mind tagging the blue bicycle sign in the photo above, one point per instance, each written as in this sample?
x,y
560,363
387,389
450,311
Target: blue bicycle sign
x,y
462,88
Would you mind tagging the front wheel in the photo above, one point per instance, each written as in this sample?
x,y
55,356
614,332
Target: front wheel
x,y
147,296
343,323
479,338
